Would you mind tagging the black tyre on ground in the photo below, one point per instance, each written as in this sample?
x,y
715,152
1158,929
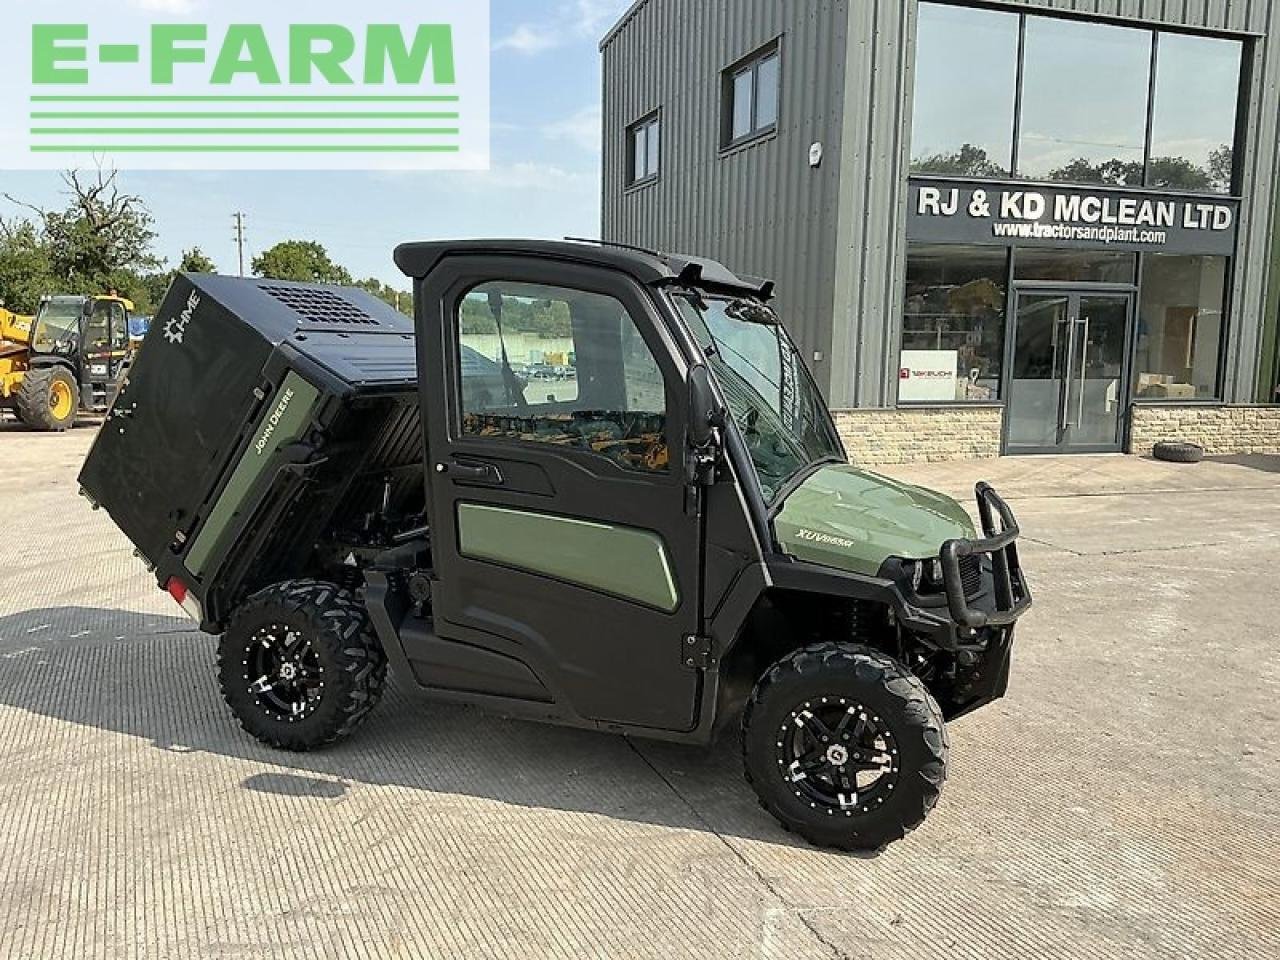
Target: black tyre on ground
x,y
47,399
1178,452
300,665
844,746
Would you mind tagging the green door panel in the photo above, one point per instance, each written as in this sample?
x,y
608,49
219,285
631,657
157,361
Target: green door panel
x,y
854,520
623,561
284,421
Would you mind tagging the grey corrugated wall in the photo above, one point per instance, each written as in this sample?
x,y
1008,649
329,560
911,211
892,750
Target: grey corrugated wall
x,y
835,238
760,209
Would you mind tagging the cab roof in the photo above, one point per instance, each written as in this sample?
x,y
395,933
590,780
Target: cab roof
x,y
417,260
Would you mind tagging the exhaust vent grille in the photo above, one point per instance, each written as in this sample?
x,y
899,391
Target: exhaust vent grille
x,y
320,306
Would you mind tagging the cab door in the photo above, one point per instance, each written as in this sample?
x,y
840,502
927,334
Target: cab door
x,y
566,560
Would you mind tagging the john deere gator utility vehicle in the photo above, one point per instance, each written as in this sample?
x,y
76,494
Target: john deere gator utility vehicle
x,y
64,360
667,543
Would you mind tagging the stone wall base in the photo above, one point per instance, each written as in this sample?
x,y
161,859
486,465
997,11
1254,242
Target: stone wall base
x,y
1219,429
922,434
918,434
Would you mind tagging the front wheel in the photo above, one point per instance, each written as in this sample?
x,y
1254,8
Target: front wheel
x,y
300,666
844,746
47,399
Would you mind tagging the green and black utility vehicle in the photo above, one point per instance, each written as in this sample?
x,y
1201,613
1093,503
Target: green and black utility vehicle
x,y
664,543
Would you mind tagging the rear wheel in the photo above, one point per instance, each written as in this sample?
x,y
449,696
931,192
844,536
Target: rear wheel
x,y
300,666
844,746
47,398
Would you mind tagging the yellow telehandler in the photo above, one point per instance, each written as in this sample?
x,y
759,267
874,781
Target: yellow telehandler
x,y
65,359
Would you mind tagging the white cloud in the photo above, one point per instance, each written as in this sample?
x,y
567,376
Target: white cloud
x,y
529,39
574,22
582,129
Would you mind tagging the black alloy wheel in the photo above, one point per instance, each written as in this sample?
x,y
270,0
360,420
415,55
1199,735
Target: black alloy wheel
x,y
284,673
844,746
300,665
839,755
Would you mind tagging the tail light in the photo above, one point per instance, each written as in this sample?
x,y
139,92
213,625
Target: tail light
x,y
185,599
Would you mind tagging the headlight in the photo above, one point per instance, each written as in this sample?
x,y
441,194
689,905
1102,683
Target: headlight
x,y
926,576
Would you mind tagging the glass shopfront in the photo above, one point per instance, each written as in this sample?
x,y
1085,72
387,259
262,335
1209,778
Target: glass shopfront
x,y
1071,226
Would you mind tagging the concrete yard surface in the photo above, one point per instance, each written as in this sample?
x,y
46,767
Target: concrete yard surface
x,y
1121,801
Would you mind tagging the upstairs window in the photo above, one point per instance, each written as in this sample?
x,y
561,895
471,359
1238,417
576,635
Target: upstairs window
x,y
751,96
644,138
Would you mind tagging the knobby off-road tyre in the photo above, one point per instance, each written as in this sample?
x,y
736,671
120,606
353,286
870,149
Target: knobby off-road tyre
x,y
882,765
47,399
300,665
1178,452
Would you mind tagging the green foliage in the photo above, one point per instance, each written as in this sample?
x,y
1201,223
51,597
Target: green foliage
x,y
539,318
152,287
388,294
1172,173
303,261
196,261
968,161
26,273
99,242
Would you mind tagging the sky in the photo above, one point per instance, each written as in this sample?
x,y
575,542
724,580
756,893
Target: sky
x,y
544,179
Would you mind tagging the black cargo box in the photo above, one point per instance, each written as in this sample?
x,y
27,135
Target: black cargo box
x,y
262,421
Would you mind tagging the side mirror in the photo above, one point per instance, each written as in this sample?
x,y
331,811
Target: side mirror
x,y
707,416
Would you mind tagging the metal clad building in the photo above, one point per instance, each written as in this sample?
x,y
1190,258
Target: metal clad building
x,y
778,137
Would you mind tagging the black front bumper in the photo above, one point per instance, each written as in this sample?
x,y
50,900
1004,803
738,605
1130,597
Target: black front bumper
x,y
1012,596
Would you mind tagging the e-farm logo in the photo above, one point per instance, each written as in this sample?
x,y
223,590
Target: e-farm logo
x,y
243,84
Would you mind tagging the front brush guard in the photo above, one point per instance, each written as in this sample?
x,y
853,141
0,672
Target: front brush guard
x,y
1012,595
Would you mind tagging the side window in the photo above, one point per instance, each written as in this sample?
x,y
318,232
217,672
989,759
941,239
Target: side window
x,y
119,328
552,365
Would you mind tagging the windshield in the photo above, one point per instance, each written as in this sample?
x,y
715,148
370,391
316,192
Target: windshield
x,y
57,324
771,396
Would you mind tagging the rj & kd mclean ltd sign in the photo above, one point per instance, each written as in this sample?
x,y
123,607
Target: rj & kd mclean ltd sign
x,y
219,84
1036,215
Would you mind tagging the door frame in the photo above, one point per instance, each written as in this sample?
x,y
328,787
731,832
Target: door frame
x,y
1074,292
437,348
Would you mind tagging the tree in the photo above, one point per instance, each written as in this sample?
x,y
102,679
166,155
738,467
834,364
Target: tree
x,y
196,261
1221,167
301,260
388,294
101,238
968,161
26,272
1172,173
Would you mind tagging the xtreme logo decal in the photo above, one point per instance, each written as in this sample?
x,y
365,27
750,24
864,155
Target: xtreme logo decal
x,y
176,329
240,84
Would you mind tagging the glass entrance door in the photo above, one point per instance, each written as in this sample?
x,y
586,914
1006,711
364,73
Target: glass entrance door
x,y
1067,391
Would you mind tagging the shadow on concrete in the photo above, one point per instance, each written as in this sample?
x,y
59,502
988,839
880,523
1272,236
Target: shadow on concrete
x,y
1267,463
11,424
153,677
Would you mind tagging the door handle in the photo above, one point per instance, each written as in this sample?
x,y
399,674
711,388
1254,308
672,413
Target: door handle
x,y
1084,365
1064,396
472,472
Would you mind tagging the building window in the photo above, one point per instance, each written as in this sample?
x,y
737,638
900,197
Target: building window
x,y
1194,119
1074,266
552,365
1084,102
962,125
953,324
751,96
1180,315
644,141
1087,112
